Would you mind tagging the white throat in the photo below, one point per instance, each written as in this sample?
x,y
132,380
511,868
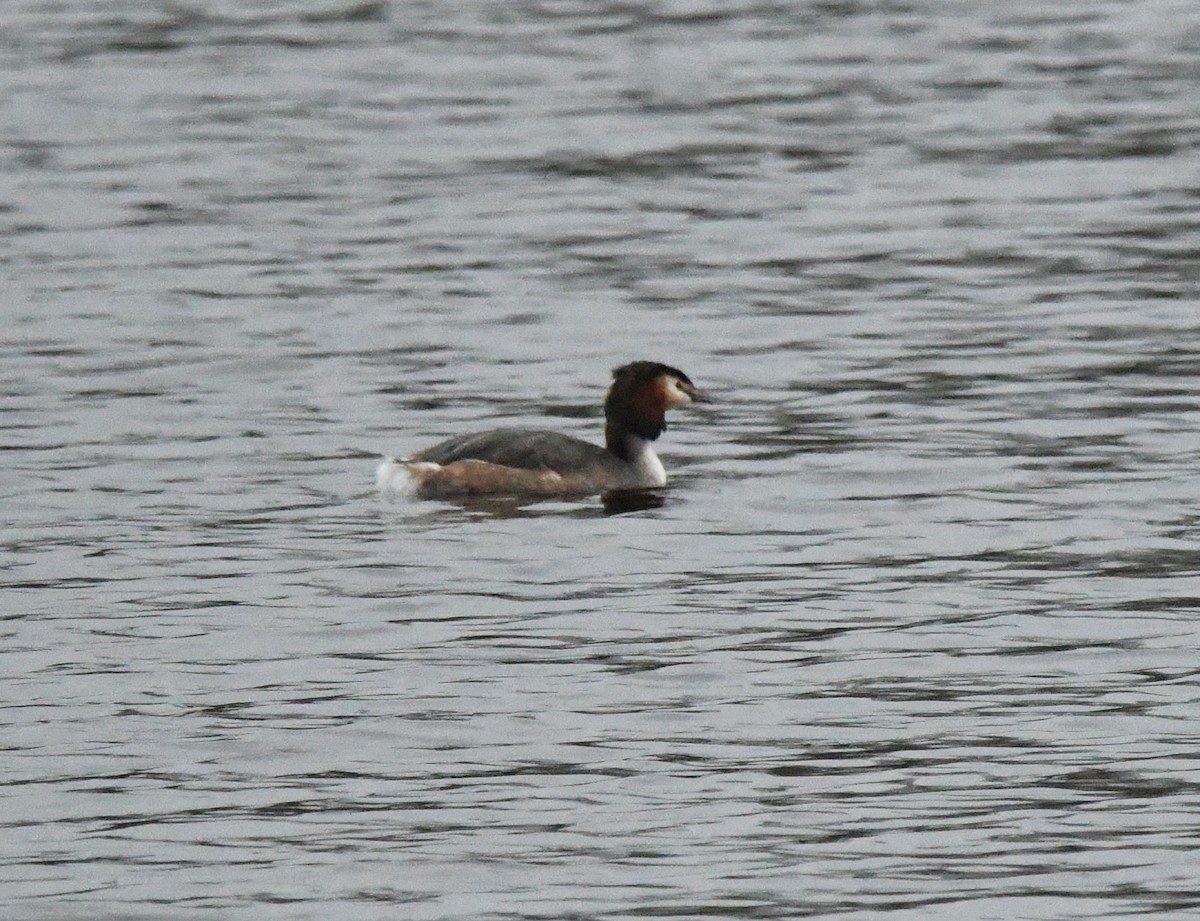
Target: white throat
x,y
647,468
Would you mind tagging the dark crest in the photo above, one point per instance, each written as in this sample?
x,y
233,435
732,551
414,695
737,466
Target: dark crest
x,y
641,372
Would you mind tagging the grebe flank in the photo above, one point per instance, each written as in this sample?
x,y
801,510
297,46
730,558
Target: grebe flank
x,y
518,461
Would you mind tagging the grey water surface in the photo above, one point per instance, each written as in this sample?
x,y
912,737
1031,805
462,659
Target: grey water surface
x,y
913,633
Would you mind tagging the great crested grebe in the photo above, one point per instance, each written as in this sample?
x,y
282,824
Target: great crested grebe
x,y
517,461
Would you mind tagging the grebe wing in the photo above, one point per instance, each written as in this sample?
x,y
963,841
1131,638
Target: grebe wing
x,y
526,449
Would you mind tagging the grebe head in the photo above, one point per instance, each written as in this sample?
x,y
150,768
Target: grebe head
x,y
641,394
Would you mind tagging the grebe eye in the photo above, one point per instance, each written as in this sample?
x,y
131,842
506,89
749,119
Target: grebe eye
x,y
679,391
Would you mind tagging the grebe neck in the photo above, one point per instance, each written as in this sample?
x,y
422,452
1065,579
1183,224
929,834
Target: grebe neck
x,y
646,469
632,421
620,443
